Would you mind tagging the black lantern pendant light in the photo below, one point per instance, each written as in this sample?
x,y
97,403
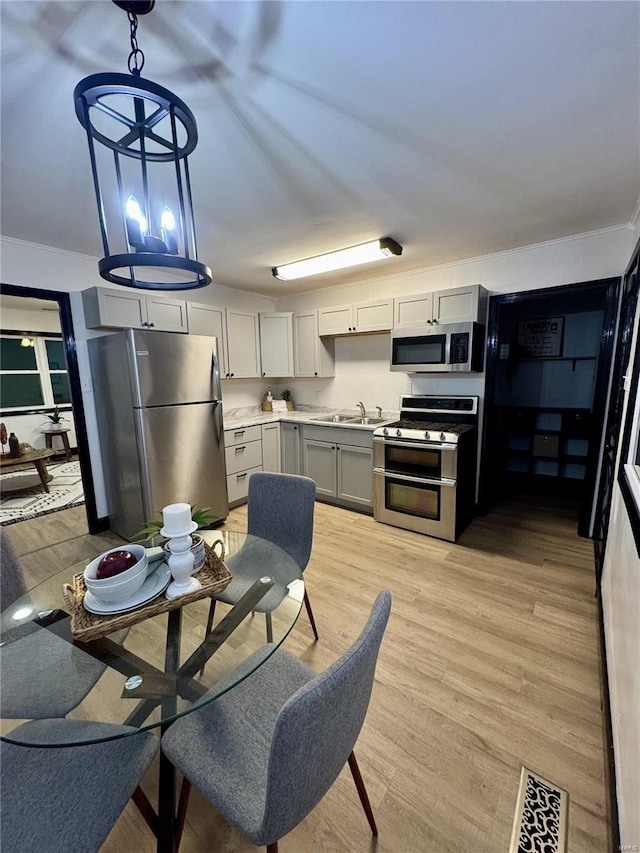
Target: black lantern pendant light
x,y
144,135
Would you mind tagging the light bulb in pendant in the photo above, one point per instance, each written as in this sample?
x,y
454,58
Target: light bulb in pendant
x,y
168,224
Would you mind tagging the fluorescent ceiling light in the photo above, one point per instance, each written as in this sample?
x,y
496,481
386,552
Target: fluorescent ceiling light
x,y
376,250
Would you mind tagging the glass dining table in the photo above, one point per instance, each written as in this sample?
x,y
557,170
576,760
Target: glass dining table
x,y
150,674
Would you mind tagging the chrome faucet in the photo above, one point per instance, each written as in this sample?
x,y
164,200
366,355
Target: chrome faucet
x,y
363,411
379,412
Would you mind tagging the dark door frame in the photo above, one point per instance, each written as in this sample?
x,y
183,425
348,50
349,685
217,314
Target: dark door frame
x,y
95,524
611,290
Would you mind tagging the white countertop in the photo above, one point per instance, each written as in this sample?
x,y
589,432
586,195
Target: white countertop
x,y
239,418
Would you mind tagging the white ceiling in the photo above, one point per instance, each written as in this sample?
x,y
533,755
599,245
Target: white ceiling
x,y
458,128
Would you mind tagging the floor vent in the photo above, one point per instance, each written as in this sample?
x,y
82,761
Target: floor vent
x,y
540,822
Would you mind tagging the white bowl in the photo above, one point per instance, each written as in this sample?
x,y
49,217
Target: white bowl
x,y
121,586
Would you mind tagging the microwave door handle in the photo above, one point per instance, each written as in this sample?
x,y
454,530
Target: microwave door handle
x,y
428,481
447,349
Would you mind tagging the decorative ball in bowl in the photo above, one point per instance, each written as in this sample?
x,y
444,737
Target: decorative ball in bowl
x,y
117,574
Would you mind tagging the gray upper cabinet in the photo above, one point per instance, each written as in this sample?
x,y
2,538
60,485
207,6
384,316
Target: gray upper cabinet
x,y
357,318
276,344
313,355
457,305
238,338
121,309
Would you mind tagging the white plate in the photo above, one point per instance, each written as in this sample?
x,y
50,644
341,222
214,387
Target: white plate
x,y
156,583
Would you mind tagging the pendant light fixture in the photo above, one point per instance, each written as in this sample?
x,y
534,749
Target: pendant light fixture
x,y
140,135
364,253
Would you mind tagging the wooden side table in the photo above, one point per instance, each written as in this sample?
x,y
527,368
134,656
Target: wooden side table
x,y
48,437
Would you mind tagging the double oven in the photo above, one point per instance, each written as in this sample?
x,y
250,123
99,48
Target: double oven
x,y
424,466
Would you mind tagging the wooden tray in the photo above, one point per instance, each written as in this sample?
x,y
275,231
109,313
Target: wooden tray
x,y
214,577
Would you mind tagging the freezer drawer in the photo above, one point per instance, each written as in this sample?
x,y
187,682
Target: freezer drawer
x,y
181,449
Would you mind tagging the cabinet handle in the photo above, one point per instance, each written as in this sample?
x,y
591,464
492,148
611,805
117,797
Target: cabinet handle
x,y
264,374
232,374
429,322
241,448
295,427
150,324
316,373
238,432
241,476
435,319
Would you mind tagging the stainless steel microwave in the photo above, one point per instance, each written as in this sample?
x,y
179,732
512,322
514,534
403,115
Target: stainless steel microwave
x,y
446,348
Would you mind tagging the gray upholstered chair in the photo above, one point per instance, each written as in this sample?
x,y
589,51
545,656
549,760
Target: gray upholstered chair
x,y
42,652
266,752
68,798
280,510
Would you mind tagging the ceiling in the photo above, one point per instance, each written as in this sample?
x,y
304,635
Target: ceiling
x,y
457,128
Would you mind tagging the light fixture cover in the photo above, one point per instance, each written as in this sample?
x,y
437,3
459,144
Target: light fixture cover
x,y
364,253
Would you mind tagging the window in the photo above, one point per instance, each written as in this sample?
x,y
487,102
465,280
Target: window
x,y
33,375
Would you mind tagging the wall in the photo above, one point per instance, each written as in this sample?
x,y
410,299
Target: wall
x,y
583,258
31,265
620,601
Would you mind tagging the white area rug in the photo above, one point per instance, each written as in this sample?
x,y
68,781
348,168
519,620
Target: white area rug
x,y
30,500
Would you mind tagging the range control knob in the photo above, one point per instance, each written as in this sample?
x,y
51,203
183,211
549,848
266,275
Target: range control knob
x,y
426,435
443,437
385,431
398,432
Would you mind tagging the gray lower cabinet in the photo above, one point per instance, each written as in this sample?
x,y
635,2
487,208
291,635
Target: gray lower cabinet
x,y
290,448
341,465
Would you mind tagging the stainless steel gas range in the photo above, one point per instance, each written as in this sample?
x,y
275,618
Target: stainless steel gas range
x,y
424,466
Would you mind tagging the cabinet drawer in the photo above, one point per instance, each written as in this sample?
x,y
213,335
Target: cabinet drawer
x,y
242,435
238,484
240,457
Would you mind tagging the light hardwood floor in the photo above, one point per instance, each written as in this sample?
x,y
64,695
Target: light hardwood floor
x,y
490,661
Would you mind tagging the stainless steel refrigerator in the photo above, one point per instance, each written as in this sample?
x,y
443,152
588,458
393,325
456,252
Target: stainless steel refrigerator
x,y
159,409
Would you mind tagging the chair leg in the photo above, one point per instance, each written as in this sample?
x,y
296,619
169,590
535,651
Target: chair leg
x,y
362,793
183,802
212,610
269,628
307,604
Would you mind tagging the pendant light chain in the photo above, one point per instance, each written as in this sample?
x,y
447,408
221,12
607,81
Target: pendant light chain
x,y
135,62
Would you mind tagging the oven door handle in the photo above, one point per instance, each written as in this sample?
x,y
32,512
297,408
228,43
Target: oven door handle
x,y
429,481
421,445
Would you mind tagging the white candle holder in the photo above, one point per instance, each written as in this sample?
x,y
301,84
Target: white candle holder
x,y
181,559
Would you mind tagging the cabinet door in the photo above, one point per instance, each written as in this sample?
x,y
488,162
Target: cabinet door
x,y
355,467
313,355
121,309
290,448
320,464
276,344
243,344
335,321
210,320
166,315
271,447
413,310
305,340
376,316
456,306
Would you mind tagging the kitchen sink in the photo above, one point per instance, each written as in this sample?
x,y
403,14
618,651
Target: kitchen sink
x,y
337,419
350,419
369,421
